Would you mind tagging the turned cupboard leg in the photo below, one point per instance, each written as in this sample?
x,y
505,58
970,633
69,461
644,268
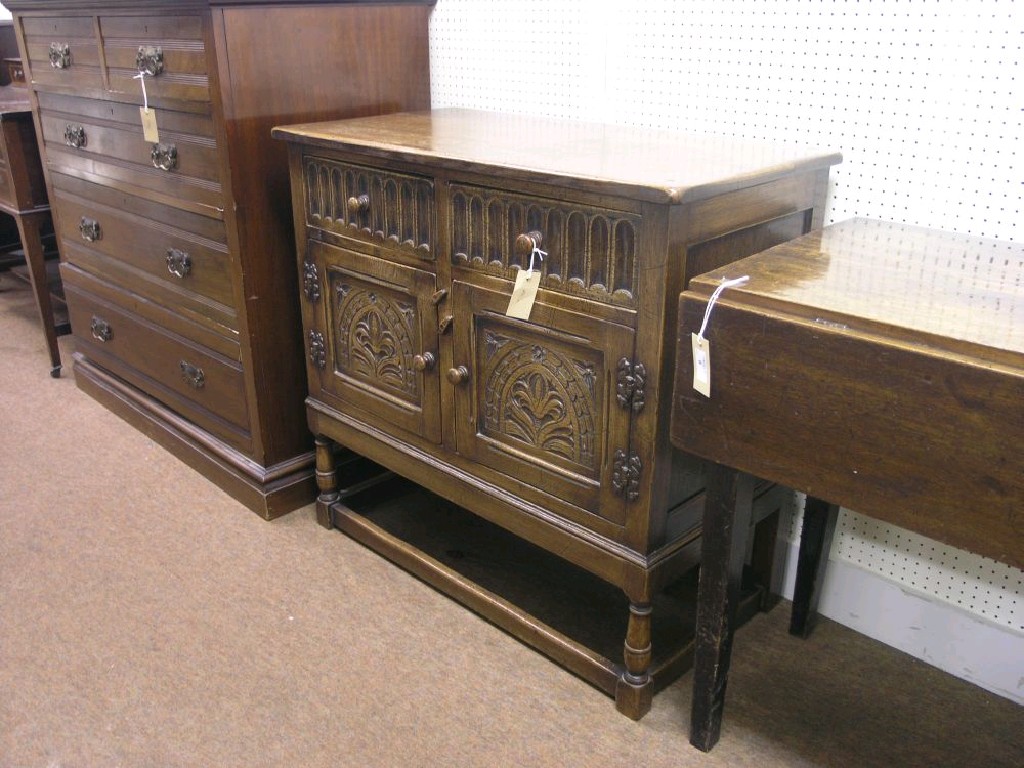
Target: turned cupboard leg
x,y
633,692
326,480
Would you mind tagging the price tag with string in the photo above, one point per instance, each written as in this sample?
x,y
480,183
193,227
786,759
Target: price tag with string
x,y
149,128
702,347
524,294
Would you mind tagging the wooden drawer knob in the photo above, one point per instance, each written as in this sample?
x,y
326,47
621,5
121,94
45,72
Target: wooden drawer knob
x,y
424,362
358,205
527,241
458,376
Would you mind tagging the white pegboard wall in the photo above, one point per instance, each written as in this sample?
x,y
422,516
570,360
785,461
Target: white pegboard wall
x,y
922,97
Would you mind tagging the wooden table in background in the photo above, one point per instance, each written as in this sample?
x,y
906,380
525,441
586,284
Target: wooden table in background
x,y
23,197
871,365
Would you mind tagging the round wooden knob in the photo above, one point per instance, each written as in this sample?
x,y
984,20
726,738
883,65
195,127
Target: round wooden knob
x,y
424,362
458,376
358,205
527,241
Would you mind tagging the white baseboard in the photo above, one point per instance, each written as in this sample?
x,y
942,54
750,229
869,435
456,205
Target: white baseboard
x,y
938,633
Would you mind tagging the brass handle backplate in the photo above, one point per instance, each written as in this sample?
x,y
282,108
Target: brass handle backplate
x,y
60,55
164,156
74,135
100,329
150,60
193,375
89,229
179,263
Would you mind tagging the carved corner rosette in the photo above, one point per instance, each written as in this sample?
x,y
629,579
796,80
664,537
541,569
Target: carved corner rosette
x,y
631,381
626,475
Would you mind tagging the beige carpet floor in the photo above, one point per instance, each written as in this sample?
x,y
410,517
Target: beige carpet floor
x,y
148,620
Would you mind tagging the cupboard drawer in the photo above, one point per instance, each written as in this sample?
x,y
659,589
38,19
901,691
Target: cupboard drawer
x,y
590,251
63,52
168,244
102,141
202,385
371,205
170,49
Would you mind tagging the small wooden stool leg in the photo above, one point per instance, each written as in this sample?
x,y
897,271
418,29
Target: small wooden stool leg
x,y
633,691
727,511
29,230
326,480
815,540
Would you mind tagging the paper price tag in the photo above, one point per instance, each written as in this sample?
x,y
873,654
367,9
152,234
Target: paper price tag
x,y
149,129
701,364
524,294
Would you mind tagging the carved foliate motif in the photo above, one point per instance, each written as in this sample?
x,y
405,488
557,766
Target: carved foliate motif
x,y
541,397
626,475
317,350
375,337
310,282
631,378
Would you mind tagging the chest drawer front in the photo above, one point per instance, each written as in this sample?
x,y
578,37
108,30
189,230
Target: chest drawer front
x,y
371,205
170,49
163,248
591,252
536,402
103,142
63,52
202,385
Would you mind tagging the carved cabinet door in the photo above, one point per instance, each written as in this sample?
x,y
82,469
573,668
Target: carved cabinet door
x,y
536,399
376,359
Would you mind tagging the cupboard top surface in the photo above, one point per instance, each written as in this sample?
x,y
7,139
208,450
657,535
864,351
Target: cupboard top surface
x,y
952,291
658,166
21,6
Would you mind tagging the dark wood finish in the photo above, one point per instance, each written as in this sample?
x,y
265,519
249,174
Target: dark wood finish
x,y
23,198
816,533
871,365
189,231
410,231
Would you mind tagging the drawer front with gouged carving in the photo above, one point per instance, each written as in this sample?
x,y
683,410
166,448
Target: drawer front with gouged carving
x,y
371,206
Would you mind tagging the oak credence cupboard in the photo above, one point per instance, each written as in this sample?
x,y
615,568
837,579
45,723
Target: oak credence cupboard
x,y
410,231
182,304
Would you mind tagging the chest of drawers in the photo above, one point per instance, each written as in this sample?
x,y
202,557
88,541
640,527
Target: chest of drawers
x,y
411,230
172,243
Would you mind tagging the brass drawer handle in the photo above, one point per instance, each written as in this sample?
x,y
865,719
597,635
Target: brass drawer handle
x,y
179,263
358,205
458,376
150,60
60,55
424,362
90,229
74,135
164,156
100,329
193,375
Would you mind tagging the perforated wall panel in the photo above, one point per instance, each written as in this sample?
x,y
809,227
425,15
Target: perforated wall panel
x,y
923,98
